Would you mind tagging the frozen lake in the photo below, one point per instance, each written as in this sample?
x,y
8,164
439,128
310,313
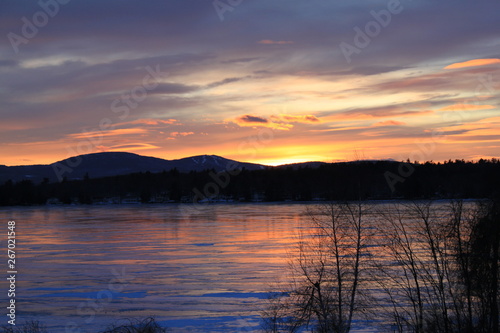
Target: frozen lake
x,y
81,268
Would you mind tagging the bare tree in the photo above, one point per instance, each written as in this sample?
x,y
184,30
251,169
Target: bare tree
x,y
326,273
483,268
433,267
443,276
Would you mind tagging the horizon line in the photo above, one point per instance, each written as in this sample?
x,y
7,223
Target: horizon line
x,y
257,163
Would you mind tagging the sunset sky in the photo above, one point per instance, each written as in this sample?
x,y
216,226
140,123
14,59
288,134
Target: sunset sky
x,y
266,81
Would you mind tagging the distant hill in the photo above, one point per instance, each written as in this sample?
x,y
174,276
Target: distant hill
x,y
108,164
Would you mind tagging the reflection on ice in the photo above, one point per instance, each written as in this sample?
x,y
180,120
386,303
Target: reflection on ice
x,y
83,268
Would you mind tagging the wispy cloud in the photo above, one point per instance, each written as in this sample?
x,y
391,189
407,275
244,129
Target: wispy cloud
x,y
116,132
225,81
257,121
281,122
473,63
249,119
174,88
151,122
177,134
128,147
275,42
381,112
466,107
389,123
305,119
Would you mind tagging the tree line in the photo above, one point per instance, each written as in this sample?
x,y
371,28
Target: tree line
x,y
333,181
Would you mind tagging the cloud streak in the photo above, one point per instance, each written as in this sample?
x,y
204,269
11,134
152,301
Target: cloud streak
x,y
274,42
473,63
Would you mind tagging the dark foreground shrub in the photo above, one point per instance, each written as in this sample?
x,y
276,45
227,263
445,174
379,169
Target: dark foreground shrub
x,y
148,325
31,326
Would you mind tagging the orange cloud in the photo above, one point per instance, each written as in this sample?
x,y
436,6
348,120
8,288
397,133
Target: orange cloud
x,y
177,134
281,122
248,120
389,123
116,132
296,119
152,122
473,63
275,42
376,112
128,147
466,107
484,130
482,124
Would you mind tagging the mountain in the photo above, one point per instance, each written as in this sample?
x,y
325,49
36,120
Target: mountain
x,y
100,165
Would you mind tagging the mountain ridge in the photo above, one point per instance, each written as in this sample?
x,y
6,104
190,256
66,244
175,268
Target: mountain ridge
x,y
106,164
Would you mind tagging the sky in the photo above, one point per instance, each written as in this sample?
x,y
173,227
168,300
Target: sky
x,y
264,81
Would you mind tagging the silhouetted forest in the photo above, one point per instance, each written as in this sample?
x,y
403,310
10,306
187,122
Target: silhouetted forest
x,y
335,181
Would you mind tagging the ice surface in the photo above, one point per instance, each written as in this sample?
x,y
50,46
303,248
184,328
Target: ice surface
x,y
83,268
